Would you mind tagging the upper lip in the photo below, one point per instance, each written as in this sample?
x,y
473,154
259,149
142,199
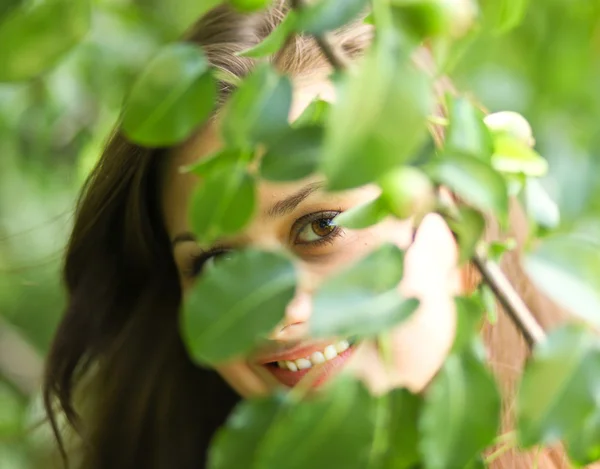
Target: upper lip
x,y
294,352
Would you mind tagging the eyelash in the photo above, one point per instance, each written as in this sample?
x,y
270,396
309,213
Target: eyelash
x,y
197,260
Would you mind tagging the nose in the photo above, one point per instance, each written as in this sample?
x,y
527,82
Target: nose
x,y
295,322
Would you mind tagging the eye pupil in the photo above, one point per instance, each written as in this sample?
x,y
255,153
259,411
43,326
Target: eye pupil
x,y
323,227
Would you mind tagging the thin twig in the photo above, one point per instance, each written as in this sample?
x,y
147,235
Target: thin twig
x,y
333,53
510,300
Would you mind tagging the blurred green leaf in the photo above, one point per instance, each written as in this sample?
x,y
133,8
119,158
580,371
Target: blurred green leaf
x,y
425,18
274,41
34,37
364,215
364,298
315,113
469,227
403,415
294,155
235,304
462,385
381,112
258,110
502,15
560,386
469,315
250,5
326,15
467,133
567,268
173,95
513,156
473,180
216,162
236,444
223,203
320,431
583,447
12,411
539,206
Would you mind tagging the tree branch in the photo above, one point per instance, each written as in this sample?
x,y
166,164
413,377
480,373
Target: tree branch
x,y
510,300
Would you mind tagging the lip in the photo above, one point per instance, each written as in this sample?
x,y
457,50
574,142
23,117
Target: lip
x,y
323,371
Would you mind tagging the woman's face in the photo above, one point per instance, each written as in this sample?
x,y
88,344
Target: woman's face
x,y
298,217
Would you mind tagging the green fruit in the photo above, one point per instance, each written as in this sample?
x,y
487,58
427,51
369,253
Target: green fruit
x,y
435,18
407,191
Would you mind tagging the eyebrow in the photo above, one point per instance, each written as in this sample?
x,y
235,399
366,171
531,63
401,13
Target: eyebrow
x,y
285,206
280,209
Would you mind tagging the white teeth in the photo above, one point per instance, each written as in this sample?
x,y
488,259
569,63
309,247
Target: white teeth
x,y
317,358
341,346
330,352
303,363
291,366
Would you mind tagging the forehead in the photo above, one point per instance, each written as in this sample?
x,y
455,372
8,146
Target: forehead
x,y
178,187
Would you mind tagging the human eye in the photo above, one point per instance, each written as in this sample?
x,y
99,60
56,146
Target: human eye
x,y
316,229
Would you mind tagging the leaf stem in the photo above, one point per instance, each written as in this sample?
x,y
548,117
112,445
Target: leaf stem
x,y
332,52
510,300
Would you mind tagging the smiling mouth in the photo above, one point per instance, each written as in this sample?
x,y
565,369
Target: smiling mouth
x,y
327,360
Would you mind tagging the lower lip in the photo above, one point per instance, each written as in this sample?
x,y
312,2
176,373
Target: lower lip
x,y
323,372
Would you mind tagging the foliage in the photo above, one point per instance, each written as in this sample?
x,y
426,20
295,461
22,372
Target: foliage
x,y
68,66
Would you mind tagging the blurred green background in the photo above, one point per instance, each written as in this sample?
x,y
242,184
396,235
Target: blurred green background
x,y
53,128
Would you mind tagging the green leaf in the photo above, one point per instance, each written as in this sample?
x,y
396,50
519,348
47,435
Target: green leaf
x,y
461,415
293,156
473,180
540,206
258,110
469,316
181,19
467,133
215,162
315,113
501,16
326,15
223,203
239,439
379,119
250,5
560,386
173,95
235,304
364,298
512,156
488,299
469,227
274,41
363,216
320,432
404,410
35,36
497,249
567,268
583,447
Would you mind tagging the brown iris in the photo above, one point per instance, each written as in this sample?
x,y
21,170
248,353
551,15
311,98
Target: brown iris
x,y
323,226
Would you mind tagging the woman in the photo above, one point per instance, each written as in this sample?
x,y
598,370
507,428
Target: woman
x,y
118,368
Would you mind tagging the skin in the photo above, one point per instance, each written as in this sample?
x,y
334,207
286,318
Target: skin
x,y
419,345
